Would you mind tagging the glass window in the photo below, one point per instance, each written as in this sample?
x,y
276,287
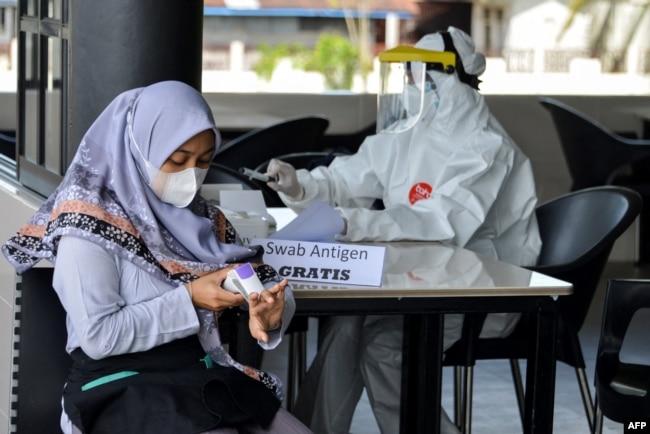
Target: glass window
x,y
54,9
42,86
29,126
28,7
53,107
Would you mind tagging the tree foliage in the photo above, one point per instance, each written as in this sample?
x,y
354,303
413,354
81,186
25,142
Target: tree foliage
x,y
605,28
271,56
334,56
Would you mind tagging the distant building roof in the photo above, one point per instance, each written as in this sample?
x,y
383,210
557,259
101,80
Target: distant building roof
x,y
304,8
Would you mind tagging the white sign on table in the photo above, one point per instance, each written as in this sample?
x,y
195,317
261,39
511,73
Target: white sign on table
x,y
353,264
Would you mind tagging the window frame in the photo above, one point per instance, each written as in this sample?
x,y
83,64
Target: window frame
x,y
40,167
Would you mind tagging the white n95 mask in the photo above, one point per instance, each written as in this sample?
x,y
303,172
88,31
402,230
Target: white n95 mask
x,y
177,188
174,188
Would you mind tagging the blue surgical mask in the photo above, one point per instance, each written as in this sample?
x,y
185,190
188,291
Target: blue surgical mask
x,y
414,98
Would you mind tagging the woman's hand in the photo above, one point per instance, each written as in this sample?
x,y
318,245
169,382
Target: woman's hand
x,y
265,311
208,293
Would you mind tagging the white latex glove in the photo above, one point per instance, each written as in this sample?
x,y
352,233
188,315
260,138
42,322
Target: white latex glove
x,y
287,182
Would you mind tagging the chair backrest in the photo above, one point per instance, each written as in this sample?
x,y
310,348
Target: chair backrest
x,y
623,299
8,145
219,174
593,153
578,231
303,160
297,134
40,362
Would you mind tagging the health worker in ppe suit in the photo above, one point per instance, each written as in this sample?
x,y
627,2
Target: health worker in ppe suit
x,y
446,170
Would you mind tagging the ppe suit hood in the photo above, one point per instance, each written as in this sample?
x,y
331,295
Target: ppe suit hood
x,y
473,62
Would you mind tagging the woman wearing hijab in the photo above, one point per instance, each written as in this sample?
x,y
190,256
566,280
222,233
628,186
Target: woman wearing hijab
x,y
140,260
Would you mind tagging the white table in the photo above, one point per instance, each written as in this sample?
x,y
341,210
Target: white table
x,y
422,281
425,280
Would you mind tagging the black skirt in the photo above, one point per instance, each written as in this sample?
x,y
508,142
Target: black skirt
x,y
172,389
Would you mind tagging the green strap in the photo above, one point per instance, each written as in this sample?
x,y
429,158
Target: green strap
x,y
209,364
107,379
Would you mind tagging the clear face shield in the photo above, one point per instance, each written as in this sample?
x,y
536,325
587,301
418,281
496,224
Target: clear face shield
x,y
404,83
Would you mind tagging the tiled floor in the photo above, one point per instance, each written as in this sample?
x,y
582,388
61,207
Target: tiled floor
x,y
494,406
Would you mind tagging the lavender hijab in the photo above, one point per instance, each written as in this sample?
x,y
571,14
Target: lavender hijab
x,y
104,198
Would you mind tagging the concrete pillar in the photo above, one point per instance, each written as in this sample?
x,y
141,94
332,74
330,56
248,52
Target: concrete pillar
x,y
122,44
392,30
237,51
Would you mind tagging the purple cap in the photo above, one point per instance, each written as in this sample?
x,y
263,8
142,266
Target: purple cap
x,y
245,271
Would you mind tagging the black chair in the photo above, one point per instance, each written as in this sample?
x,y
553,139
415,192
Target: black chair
x,y
40,362
621,388
297,134
578,231
595,155
348,142
220,174
301,160
8,145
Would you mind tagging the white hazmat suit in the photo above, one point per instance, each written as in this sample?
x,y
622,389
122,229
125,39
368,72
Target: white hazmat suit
x,y
455,177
